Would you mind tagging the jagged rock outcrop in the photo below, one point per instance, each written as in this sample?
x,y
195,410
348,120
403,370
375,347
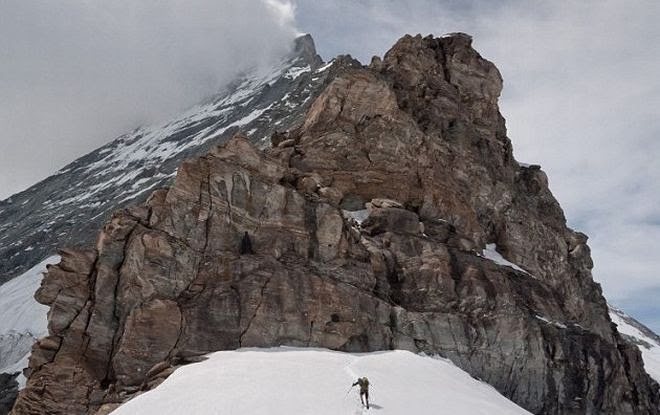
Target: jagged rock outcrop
x,y
367,224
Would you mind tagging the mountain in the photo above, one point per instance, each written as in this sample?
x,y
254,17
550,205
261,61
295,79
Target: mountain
x,y
283,381
391,216
646,340
68,208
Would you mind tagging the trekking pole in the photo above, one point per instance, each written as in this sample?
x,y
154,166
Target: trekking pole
x,y
348,391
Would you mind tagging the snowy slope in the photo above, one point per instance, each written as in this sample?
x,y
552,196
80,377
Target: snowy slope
x,y
647,341
283,381
23,318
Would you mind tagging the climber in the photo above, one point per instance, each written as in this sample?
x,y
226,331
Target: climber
x,y
246,245
364,389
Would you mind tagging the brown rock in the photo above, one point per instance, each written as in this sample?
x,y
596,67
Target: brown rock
x,y
419,138
391,219
287,143
151,331
383,204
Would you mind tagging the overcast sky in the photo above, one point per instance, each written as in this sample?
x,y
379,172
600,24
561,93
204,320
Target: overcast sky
x,y
581,91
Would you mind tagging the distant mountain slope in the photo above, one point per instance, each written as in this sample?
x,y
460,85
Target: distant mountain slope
x,y
68,208
646,340
283,381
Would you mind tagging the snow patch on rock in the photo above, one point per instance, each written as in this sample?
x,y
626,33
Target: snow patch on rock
x,y
295,72
554,323
491,253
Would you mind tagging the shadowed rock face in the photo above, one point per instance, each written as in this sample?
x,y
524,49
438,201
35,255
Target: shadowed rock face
x,y
8,391
417,140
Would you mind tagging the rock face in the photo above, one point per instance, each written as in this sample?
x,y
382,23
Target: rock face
x,y
367,224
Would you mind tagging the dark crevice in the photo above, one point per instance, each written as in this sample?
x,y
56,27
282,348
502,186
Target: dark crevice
x,y
309,337
117,319
455,273
310,223
256,311
172,353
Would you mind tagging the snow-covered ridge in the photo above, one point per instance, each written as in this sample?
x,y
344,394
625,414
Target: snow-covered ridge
x,y
647,341
286,381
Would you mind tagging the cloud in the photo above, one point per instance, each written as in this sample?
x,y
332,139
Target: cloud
x,y
581,97
284,10
74,74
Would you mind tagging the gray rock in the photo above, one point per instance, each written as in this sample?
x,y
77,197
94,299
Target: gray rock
x,y
8,391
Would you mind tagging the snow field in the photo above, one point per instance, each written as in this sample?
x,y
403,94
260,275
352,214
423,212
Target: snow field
x,y
283,381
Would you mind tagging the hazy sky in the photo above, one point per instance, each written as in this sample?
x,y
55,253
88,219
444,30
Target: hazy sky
x,y
581,91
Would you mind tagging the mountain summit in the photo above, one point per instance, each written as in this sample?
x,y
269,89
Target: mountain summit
x,y
68,208
390,214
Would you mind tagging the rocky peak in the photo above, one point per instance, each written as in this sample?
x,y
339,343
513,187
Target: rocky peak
x,y
446,85
393,217
304,47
